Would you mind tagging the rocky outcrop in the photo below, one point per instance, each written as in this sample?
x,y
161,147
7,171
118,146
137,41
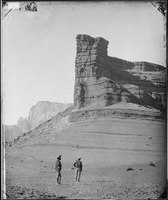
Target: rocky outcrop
x,y
112,113
101,79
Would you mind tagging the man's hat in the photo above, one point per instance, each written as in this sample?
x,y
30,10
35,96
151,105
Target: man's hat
x,y
59,156
79,158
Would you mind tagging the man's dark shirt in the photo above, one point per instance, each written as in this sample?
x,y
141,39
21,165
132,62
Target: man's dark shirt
x,y
58,165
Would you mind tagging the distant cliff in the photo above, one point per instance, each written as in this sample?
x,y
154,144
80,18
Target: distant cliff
x,y
104,80
43,111
38,114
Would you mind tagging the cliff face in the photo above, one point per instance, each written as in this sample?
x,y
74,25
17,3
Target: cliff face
x,y
101,79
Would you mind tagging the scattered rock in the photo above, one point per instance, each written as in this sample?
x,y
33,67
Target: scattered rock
x,y
150,137
22,192
130,169
61,197
140,169
22,161
152,164
41,161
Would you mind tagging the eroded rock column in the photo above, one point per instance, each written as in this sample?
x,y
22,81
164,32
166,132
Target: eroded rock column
x,y
90,59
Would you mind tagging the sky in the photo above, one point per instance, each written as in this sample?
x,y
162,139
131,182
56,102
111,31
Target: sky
x,y
39,48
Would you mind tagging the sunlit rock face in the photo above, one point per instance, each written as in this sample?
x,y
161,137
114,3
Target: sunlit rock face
x,y
105,80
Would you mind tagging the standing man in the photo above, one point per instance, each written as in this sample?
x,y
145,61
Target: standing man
x,y
58,167
78,166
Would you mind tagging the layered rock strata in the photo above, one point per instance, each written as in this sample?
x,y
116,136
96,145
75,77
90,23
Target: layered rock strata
x,y
105,80
82,115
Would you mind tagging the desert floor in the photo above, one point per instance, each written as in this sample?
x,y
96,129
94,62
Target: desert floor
x,y
108,147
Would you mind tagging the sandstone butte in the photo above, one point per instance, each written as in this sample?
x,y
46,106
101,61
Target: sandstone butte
x,y
110,87
103,80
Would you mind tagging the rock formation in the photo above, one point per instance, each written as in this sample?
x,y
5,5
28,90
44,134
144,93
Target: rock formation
x,y
104,80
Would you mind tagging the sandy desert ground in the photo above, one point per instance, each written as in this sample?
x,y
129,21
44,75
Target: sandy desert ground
x,y
108,147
